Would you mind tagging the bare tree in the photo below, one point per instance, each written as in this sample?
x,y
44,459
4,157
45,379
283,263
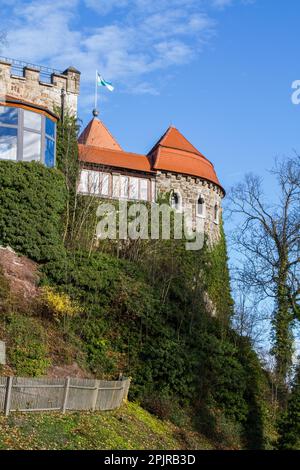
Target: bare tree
x,y
268,238
252,317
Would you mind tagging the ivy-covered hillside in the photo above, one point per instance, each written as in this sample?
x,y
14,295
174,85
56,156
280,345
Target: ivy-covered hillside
x,y
142,309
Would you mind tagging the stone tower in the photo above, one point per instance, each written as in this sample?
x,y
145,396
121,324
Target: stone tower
x,y
40,86
30,96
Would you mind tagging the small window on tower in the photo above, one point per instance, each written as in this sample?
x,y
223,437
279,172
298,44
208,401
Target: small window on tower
x,y
176,201
200,206
216,214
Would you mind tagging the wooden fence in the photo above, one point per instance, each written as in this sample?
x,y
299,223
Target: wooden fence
x,y
26,394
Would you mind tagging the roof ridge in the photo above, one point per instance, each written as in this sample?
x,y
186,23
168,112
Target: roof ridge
x,y
115,150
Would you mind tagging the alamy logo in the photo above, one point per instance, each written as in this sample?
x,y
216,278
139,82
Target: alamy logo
x,y
296,94
125,221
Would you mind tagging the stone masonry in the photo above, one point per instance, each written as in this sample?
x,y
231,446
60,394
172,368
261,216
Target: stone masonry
x,y
31,89
190,188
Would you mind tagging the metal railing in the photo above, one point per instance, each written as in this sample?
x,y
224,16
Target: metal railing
x,y
17,68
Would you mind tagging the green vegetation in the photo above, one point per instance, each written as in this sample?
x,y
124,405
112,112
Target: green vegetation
x,y
141,308
289,425
28,351
130,427
32,200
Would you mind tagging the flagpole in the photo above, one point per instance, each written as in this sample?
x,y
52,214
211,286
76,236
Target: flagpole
x,y
96,95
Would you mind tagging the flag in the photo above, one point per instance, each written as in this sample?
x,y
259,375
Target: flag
x,y
102,82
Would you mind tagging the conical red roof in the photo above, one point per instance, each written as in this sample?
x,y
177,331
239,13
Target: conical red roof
x,y
172,138
174,153
97,135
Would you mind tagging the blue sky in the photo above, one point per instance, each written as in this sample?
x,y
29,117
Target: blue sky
x,y
219,70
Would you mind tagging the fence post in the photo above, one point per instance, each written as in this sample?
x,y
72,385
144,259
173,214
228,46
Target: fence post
x,y
66,394
126,389
95,395
7,400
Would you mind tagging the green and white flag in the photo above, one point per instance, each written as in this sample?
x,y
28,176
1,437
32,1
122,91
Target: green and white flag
x,y
102,82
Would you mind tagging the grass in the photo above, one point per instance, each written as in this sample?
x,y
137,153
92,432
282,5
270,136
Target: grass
x,y
129,427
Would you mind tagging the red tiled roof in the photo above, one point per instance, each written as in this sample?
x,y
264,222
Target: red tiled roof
x,y
178,161
114,158
172,138
98,135
172,153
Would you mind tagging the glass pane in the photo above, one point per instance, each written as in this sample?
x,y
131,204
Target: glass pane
x,y
153,191
134,188
8,115
144,190
8,143
104,184
50,128
50,153
32,121
124,186
84,179
31,147
94,182
116,186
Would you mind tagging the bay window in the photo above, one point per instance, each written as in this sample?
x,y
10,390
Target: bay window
x,y
26,135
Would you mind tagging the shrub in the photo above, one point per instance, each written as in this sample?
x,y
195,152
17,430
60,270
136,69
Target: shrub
x,y
27,349
32,201
59,305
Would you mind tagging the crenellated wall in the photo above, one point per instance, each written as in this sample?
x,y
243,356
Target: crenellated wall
x,y
30,87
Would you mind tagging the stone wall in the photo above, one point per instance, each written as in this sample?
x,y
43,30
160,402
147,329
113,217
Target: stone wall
x,y
189,188
29,86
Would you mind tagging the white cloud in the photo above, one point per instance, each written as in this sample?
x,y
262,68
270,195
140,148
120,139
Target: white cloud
x,y
145,36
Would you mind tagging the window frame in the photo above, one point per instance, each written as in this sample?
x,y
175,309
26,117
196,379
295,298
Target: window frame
x,y
216,213
180,204
203,215
21,128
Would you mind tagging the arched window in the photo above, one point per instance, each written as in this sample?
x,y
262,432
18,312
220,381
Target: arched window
x,y
175,201
200,206
216,213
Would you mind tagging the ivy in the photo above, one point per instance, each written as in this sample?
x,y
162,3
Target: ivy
x,y
32,201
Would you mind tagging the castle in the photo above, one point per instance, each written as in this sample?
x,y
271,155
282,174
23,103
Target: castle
x,y
29,98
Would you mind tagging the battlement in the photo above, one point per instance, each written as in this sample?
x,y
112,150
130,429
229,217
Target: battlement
x,y
39,85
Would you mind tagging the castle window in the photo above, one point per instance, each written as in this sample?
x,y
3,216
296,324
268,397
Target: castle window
x,y
176,201
216,214
104,184
144,190
32,121
153,191
31,146
94,182
124,186
116,186
26,136
134,188
8,143
8,116
201,206
84,182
